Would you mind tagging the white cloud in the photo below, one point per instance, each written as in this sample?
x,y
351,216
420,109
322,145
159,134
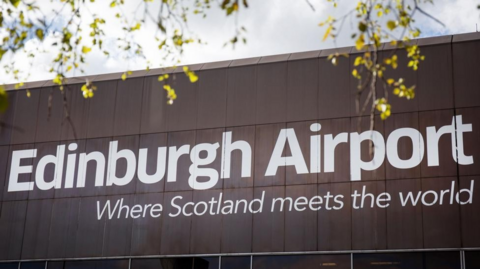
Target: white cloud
x,y
273,26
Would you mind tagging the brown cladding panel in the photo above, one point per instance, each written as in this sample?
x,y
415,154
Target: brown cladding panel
x,y
205,232
12,222
175,227
435,85
265,139
182,115
78,105
124,143
303,134
212,97
363,98
63,228
25,122
241,96
179,178
404,222
90,230
7,118
471,146
335,129
152,142
22,178
37,229
366,155
90,189
301,221
118,229
147,231
235,179
154,106
369,223
128,107
210,136
404,147
334,89
44,149
447,165
466,63
400,104
271,85
470,212
268,226
334,225
72,191
3,169
237,227
441,222
101,110
302,90
50,115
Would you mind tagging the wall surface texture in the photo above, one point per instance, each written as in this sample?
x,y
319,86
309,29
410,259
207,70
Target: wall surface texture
x,y
254,99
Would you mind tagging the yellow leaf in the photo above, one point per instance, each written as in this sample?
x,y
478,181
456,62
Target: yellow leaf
x,y
327,32
86,49
390,81
358,61
124,76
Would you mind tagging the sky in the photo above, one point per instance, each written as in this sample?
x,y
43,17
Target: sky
x,y
273,27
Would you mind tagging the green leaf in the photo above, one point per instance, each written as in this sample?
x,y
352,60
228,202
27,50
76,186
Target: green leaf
x,y
3,99
2,52
391,25
362,27
39,34
15,3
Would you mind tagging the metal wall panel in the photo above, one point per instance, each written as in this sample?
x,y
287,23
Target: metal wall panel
x,y
25,122
237,228
152,142
101,109
435,86
63,228
128,107
37,229
271,84
12,222
302,90
269,227
154,106
241,96
7,118
212,98
466,62
205,232
265,139
50,115
183,115
147,231
301,221
441,223
334,89
335,226
176,230
78,107
404,221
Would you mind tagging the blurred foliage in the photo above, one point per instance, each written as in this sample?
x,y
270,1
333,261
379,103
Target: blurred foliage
x,y
378,23
66,32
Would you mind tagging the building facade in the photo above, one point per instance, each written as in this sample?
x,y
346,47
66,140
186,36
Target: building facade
x,y
262,163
